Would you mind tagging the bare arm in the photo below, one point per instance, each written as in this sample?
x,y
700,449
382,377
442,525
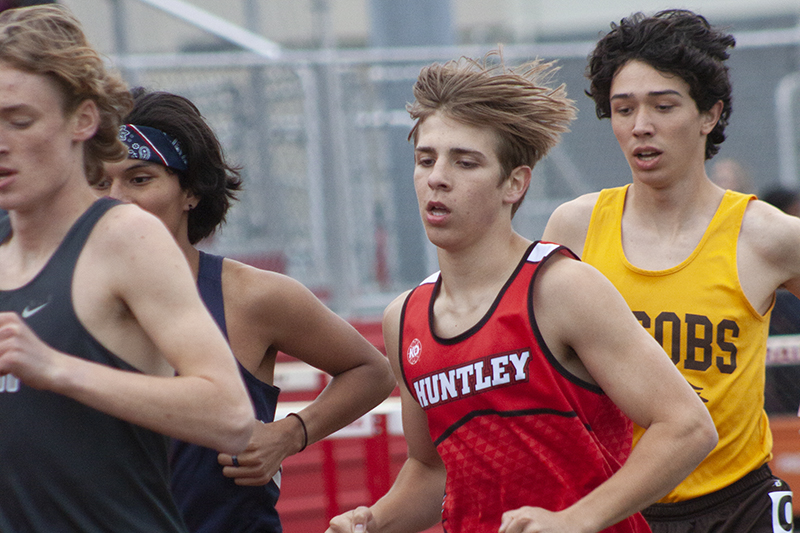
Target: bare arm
x,y
133,287
414,502
569,223
278,313
768,253
594,321
312,333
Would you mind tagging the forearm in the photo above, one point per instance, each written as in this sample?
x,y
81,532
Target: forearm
x,y
349,395
212,412
414,503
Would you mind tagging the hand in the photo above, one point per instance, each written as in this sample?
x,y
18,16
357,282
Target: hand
x,y
535,520
25,355
359,520
262,458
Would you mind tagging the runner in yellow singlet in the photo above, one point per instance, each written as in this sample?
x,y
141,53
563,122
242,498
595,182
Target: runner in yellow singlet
x,y
698,265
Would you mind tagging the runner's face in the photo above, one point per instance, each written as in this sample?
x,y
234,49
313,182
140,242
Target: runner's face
x,y
40,146
457,179
152,187
657,123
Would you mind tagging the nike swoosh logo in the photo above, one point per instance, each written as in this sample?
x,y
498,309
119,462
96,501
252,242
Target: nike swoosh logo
x,y
30,311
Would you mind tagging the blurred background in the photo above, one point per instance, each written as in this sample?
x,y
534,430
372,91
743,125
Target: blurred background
x,y
309,95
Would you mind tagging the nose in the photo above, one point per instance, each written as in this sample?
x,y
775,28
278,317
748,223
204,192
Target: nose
x,y
642,124
438,176
116,190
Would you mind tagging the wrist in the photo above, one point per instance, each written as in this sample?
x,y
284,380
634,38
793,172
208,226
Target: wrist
x,y
303,431
581,521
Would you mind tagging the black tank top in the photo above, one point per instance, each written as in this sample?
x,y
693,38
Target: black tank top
x,y
209,501
64,466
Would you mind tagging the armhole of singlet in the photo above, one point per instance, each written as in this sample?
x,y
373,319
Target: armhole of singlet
x,y
400,338
572,378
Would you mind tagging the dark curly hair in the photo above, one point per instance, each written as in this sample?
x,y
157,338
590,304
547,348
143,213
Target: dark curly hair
x,y
209,176
674,41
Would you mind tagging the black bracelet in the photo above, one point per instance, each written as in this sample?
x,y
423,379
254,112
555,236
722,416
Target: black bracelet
x,y
305,431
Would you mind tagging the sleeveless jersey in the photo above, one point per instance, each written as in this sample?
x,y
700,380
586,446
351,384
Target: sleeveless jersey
x,y
66,466
513,427
209,501
700,316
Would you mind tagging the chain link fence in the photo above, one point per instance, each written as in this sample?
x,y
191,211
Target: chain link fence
x,y
321,137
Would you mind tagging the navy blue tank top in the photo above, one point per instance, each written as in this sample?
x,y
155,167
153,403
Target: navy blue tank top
x,y
64,466
209,501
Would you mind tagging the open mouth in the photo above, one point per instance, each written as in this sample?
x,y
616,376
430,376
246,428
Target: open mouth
x,y
437,209
647,155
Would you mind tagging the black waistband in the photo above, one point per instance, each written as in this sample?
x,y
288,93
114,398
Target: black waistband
x,y
725,494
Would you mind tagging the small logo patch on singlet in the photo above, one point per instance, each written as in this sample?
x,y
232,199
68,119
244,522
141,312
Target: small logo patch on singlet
x,y
34,307
414,352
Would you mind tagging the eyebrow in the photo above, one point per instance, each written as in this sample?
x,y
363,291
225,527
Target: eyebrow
x,y
451,151
622,96
14,108
140,164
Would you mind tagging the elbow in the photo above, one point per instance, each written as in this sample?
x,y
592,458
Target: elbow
x,y
379,382
387,380
711,438
382,379
242,433
704,434
236,430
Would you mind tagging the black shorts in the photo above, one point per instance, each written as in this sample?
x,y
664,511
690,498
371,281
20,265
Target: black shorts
x,y
757,503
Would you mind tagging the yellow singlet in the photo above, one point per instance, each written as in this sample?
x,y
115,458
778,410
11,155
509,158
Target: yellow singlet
x,y
701,317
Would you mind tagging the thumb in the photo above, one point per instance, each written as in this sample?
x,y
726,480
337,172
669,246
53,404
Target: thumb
x,y
361,518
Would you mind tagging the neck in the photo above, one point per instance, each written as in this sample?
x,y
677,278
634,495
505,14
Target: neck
x,y
44,224
677,202
191,253
474,273
36,233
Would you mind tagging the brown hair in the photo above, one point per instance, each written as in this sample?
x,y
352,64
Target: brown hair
x,y
527,115
48,40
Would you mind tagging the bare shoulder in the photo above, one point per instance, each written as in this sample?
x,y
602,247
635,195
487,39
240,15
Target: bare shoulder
x,y
126,225
243,281
569,222
572,297
258,291
391,329
770,233
566,278
392,312
130,244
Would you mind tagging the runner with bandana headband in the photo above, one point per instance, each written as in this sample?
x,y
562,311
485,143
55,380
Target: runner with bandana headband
x,y
259,311
150,144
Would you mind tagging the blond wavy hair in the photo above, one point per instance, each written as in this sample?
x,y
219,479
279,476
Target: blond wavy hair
x,y
49,40
527,115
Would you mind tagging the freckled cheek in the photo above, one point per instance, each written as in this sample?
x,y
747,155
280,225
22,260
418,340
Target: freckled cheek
x,y
42,150
420,185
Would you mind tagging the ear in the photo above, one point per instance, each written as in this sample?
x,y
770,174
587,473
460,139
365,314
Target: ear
x,y
711,117
516,185
190,200
86,121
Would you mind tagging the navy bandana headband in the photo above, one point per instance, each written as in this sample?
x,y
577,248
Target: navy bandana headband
x,y
150,144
